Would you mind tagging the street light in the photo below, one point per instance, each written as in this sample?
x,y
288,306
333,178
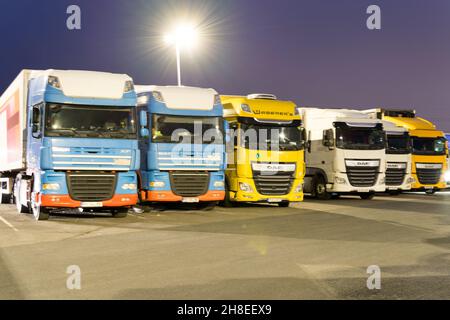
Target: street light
x,y
183,36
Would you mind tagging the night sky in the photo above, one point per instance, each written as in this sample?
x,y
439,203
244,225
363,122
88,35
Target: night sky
x,y
314,52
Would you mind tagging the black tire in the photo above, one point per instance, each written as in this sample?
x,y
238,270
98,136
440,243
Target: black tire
x,y
284,204
367,196
430,192
20,208
120,213
227,203
320,188
335,196
4,198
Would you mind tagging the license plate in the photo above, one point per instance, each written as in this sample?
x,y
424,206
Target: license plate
x,y
361,190
274,200
91,204
428,188
190,200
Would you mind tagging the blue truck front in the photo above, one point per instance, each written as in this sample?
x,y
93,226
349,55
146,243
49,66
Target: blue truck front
x,y
183,154
82,148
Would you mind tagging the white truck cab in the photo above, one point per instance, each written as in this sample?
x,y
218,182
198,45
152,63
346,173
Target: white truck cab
x,y
345,154
398,159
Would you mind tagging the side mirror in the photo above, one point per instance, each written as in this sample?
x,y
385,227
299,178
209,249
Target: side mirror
x,y
144,132
36,123
328,138
143,118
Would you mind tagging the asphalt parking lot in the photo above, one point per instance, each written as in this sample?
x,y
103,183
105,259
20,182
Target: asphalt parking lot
x,y
314,250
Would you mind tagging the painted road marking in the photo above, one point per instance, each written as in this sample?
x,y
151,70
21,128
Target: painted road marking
x,y
8,224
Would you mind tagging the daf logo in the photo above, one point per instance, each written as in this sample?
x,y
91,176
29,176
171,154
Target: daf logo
x,y
362,163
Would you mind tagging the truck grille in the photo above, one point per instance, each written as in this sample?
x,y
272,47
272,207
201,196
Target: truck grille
x,y
189,184
276,184
91,186
362,176
429,176
395,177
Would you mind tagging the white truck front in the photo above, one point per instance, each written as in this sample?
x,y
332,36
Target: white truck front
x,y
346,153
398,158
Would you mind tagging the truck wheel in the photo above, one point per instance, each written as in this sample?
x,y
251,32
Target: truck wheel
x,y
320,188
120,213
430,191
367,196
284,204
227,203
39,213
4,198
17,199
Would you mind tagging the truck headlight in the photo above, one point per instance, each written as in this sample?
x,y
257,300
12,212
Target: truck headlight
x,y
129,86
217,99
219,184
129,186
447,176
158,96
299,188
54,82
51,186
157,184
245,187
340,180
246,108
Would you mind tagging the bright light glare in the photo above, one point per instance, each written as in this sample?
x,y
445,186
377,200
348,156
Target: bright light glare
x,y
447,176
183,36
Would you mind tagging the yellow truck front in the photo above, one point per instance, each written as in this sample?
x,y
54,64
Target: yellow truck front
x,y
265,150
429,149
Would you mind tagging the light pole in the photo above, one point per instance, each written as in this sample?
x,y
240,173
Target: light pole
x,y
183,36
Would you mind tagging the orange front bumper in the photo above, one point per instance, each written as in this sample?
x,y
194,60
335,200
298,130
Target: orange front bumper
x,y
64,201
169,196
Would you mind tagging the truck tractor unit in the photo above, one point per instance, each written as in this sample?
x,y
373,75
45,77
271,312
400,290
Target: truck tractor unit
x,y
345,153
265,150
182,145
398,157
429,149
68,142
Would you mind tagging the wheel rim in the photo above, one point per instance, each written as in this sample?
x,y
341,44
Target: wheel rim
x,y
17,196
321,188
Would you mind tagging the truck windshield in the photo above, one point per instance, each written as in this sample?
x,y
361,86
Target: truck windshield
x,y
398,144
83,121
271,137
186,129
360,138
429,146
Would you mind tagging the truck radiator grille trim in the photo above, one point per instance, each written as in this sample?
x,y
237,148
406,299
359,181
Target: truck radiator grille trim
x,y
429,176
362,176
395,177
88,187
189,184
273,185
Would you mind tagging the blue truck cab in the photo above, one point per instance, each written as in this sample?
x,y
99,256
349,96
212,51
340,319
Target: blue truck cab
x,y
80,147
182,143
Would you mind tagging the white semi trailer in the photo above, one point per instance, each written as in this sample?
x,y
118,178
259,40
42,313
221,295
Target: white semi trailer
x,y
345,154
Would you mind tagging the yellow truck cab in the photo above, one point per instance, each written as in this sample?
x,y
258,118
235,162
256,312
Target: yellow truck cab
x,y
265,150
429,149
